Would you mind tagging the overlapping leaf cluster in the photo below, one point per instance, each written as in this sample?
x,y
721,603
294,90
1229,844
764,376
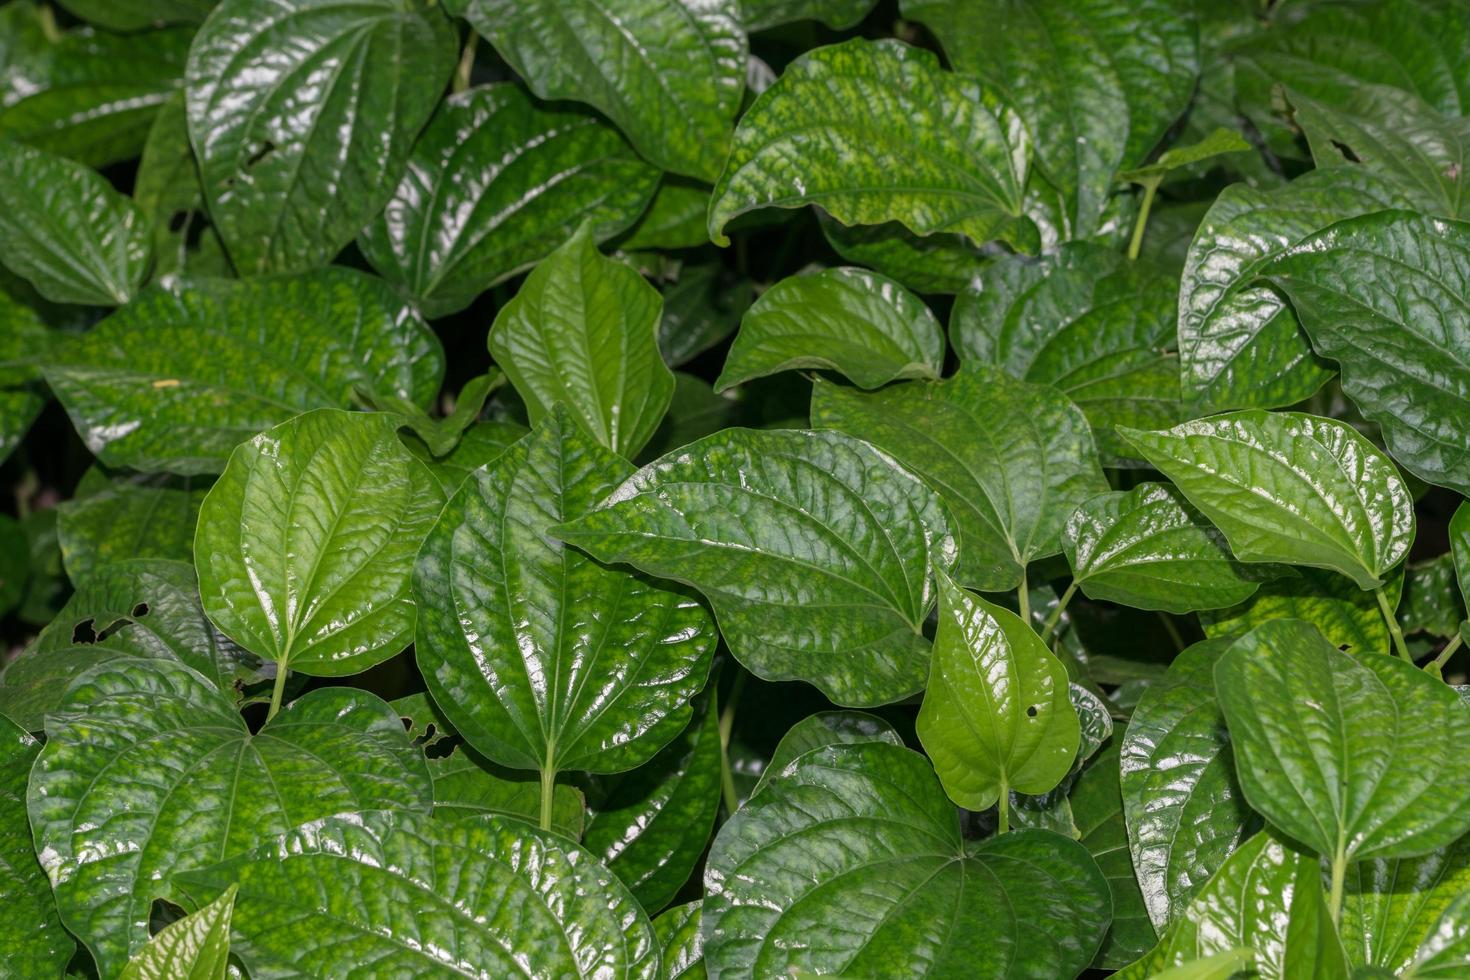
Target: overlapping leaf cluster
x,y
1034,548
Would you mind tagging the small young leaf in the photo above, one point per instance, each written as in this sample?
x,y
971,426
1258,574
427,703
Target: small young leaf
x,y
821,730
35,944
1219,142
682,941
197,947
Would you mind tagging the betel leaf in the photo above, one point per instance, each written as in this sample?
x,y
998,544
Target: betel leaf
x,y
582,330
1216,143
1445,953
35,944
1344,613
1385,296
1182,801
814,549
996,715
938,263
668,73
851,862
369,888
1431,600
701,308
1150,549
862,325
1459,532
875,131
1097,811
197,947
148,771
22,334
466,785
480,443
1391,906
300,144
541,657
177,379
760,15
681,940
133,15
821,730
128,519
1010,459
167,191
1357,757
674,219
1291,488
15,563
65,229
306,544
495,183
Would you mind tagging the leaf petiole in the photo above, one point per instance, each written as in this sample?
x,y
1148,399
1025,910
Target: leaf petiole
x,y
1339,874
548,795
1392,622
278,690
1055,616
1436,666
1150,187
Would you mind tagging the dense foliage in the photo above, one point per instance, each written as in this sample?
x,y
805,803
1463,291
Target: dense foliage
x,y
737,488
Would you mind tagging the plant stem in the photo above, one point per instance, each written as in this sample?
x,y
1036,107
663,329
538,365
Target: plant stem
x,y
1392,622
278,690
1436,666
1023,600
466,64
1173,632
1005,808
1055,616
727,724
1339,874
548,795
1136,244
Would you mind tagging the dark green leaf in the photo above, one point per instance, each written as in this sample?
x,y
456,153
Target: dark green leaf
x,y
196,947
701,308
22,335
1459,531
30,933
133,15
466,785
938,263
1344,613
674,219
129,519
1097,810
167,191
15,563
760,15
821,730
1431,602
480,443
682,942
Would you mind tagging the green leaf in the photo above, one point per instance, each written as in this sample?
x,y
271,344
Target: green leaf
x,y
1344,613
852,862
701,308
167,191
650,826
1446,952
440,436
177,379
1150,549
129,519
148,771
1010,459
1384,295
996,715
22,334
814,549
1391,906
15,563
668,73
1097,810
1290,488
369,888
821,730
495,183
938,263
133,15
862,325
682,942
480,443
1354,756
197,947
674,219
875,131
35,944
1182,801
1431,602
1086,321
541,657
466,785
1218,142
300,144
583,330
761,15
65,229
306,543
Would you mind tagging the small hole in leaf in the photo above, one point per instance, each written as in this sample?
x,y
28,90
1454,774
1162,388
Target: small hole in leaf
x,y
140,610
266,148
1344,647
1031,711
1346,151
177,220
84,632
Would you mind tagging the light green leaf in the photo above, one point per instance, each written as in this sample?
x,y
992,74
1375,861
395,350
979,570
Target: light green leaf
x,y
65,229
177,379
35,944
862,325
1357,757
300,144
760,15
1290,488
1391,906
701,308
148,771
583,330
852,863
875,131
668,73
368,888
996,715
197,947
1097,810
1446,951
541,657
1010,459
1344,613
938,263
1218,142
814,549
129,519
682,942
821,730
495,183
306,543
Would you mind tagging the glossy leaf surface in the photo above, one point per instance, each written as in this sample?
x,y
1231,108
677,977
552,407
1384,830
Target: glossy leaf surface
x,y
197,947
938,263
1097,811
35,943
1344,613
681,941
1392,906
128,520
821,730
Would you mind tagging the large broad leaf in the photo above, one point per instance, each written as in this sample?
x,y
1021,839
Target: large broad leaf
x,y
148,771
814,549
681,940
1097,811
1391,907
1357,757
1291,488
862,325
480,443
1431,601
760,15
996,715
669,73
875,131
1097,82
30,933
197,947
133,15
495,183
1344,613
128,519
1387,296
541,657
65,229
302,115
1183,804
1010,459
1148,548
179,378
22,333
701,308
370,888
852,863
583,330
306,543
938,263
821,730
1087,322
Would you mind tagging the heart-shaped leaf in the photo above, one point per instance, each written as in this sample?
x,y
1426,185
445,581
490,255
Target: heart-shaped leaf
x,y
814,549
821,730
306,543
495,183
128,519
682,942
35,944
197,947
197,786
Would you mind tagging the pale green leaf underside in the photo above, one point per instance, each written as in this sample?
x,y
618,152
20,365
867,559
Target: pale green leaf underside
x,y
197,947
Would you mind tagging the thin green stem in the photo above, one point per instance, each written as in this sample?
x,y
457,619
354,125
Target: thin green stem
x,y
727,725
1392,622
1055,616
1023,600
1436,666
548,795
1005,808
1173,631
1339,876
466,64
1150,187
278,691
